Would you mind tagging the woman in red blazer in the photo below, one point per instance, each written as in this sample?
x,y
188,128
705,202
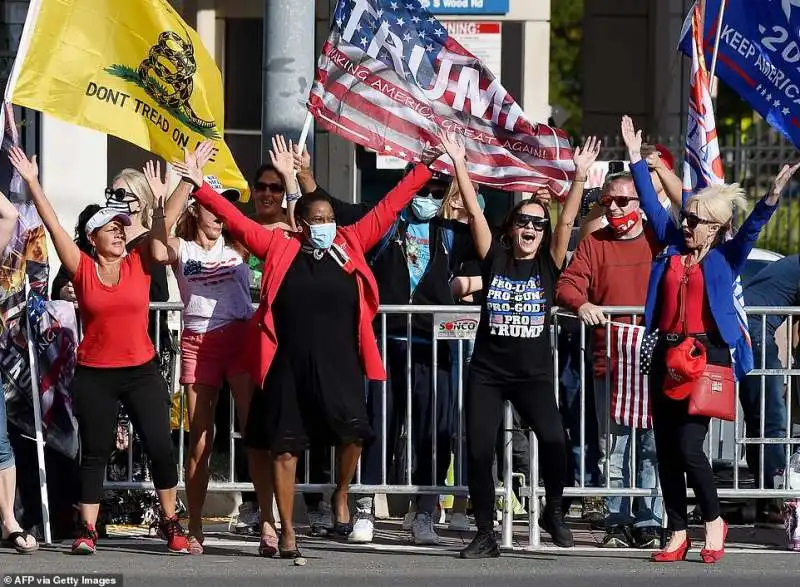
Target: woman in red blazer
x,y
311,341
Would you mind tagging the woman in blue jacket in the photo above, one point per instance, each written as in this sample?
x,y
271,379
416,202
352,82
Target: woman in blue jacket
x,y
698,266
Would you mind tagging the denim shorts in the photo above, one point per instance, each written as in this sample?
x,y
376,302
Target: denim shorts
x,y
6,454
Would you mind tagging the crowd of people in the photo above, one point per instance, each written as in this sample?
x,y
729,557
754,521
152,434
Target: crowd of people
x,y
317,270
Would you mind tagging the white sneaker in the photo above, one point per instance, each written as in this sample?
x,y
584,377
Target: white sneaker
x,y
363,527
248,519
320,520
459,522
408,520
423,531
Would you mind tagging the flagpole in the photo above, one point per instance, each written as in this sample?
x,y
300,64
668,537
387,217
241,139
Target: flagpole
x,y
301,142
37,419
713,79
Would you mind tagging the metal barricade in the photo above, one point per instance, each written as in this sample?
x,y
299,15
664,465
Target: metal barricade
x,y
456,326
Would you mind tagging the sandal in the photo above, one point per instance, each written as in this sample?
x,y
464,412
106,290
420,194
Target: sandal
x,y
195,545
290,553
12,542
268,547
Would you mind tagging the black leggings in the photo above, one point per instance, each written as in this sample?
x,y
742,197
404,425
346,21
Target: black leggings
x,y
680,440
536,403
144,394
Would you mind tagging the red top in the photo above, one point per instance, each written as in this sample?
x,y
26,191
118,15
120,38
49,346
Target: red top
x,y
278,249
114,318
608,271
697,313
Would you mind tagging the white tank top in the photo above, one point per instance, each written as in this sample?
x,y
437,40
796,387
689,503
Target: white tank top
x,y
214,285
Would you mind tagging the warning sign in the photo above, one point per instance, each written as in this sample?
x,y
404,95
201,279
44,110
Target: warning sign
x,y
482,39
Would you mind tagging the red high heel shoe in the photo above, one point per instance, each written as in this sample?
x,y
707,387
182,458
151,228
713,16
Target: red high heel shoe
x,y
712,556
679,554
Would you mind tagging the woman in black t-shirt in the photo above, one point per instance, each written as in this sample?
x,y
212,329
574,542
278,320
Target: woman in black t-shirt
x,y
512,359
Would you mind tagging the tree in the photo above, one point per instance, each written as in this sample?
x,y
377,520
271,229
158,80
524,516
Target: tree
x,y
566,34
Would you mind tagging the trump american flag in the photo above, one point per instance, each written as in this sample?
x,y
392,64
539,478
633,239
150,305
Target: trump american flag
x,y
390,76
702,161
630,394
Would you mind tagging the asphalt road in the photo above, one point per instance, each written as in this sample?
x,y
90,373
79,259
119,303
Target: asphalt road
x,y
233,562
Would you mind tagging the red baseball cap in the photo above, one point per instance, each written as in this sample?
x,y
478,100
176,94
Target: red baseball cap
x,y
685,364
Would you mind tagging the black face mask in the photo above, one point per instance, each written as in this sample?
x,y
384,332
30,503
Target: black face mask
x,y
121,199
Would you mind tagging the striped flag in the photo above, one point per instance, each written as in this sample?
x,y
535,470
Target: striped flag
x,y
630,397
702,162
390,76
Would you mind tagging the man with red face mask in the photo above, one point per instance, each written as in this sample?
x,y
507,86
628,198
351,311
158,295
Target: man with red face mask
x,y
611,267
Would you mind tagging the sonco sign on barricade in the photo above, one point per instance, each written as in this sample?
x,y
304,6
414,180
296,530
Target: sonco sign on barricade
x,y
455,326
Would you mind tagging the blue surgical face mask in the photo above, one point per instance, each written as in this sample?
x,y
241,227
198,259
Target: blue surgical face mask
x,y
321,235
425,208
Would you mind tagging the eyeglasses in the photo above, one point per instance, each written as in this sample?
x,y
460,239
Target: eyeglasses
x,y
319,220
692,220
260,186
538,222
620,201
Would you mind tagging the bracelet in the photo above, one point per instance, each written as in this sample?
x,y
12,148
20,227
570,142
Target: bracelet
x,y
584,180
293,197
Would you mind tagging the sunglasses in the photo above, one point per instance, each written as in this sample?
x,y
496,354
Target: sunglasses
x,y
260,186
692,220
620,201
523,220
120,195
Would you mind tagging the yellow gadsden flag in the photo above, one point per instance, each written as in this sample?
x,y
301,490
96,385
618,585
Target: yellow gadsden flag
x,y
130,68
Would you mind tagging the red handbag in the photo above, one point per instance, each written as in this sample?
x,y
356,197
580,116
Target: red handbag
x,y
714,394
710,388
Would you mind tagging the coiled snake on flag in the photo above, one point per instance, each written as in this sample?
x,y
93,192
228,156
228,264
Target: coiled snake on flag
x,y
172,50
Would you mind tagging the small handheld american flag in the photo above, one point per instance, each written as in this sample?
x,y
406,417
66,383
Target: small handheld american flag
x,y
631,359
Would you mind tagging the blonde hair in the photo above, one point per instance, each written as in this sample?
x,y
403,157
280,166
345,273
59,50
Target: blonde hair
x,y
138,186
717,202
448,212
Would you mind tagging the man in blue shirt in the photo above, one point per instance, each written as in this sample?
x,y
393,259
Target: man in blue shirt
x,y
777,285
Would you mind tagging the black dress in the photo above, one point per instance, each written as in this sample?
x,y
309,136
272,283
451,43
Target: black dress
x,y
314,390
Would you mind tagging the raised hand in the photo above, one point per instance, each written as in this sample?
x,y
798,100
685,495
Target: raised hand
x,y
27,168
430,153
282,156
454,145
632,138
204,152
302,161
780,182
188,169
543,197
152,173
584,157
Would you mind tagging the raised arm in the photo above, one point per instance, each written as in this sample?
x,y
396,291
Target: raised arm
x,y
252,235
481,233
583,158
673,186
161,249
657,218
371,228
738,248
65,247
8,221
345,212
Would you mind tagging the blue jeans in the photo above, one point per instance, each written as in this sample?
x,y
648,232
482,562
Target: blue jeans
x,y
570,394
6,454
774,412
617,449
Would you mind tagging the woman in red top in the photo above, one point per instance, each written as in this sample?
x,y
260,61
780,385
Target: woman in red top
x,y
116,358
311,338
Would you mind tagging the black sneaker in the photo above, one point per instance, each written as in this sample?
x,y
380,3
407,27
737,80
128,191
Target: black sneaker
x,y
648,537
617,537
483,545
552,522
